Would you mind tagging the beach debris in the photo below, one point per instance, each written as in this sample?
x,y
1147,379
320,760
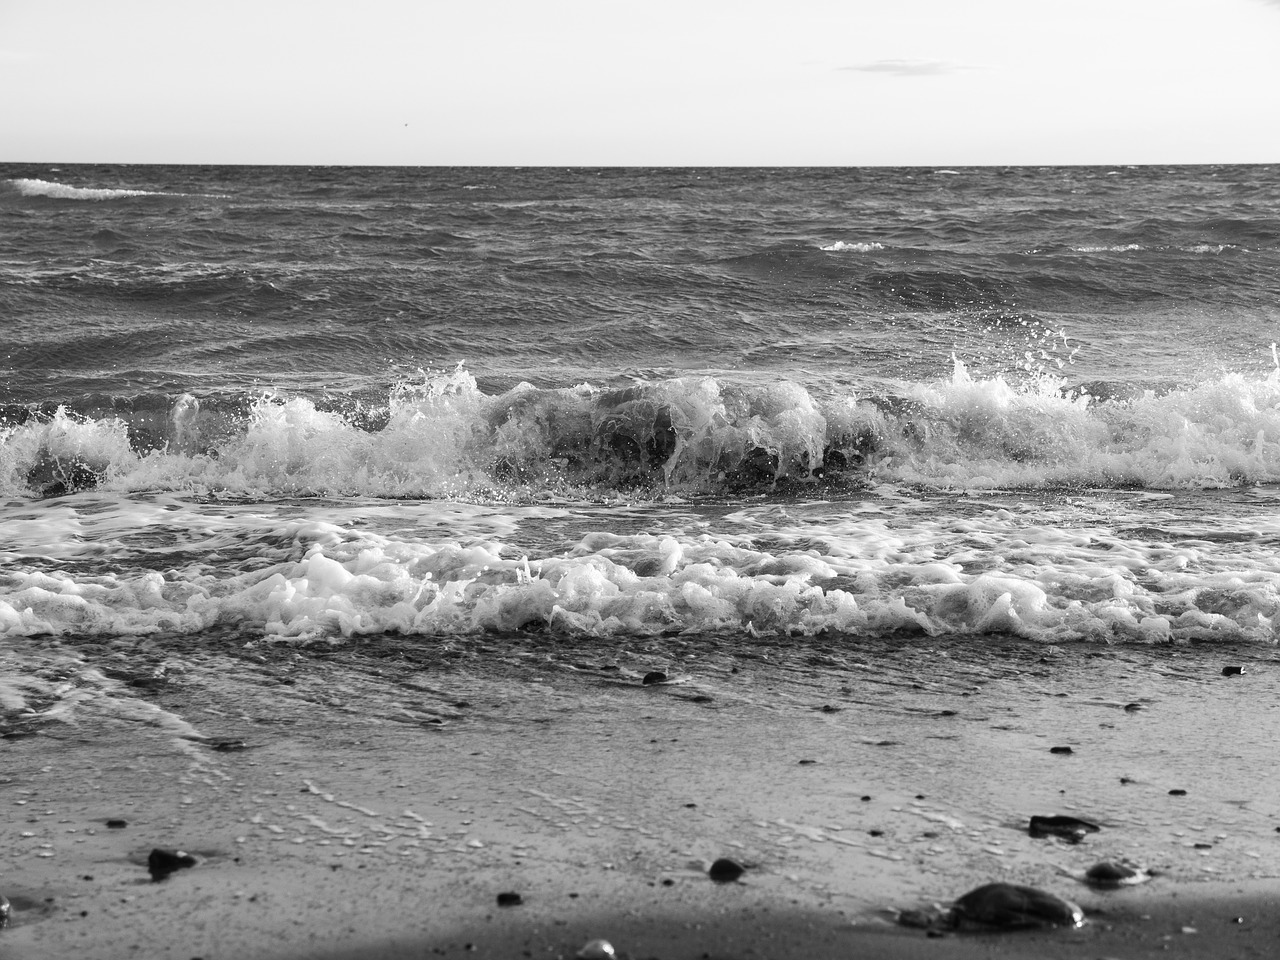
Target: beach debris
x,y
5,911
1012,906
162,862
1232,671
597,950
1061,750
654,676
1108,874
510,899
1070,829
725,870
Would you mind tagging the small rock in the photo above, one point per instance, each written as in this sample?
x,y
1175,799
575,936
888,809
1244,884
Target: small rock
x,y
117,824
1069,829
597,950
510,899
1012,906
1133,707
163,862
1061,750
1232,671
1109,874
1176,792
654,676
725,870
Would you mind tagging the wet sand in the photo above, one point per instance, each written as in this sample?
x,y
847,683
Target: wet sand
x,y
375,802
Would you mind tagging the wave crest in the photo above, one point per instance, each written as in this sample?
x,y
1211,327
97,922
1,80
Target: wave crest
x,y
443,436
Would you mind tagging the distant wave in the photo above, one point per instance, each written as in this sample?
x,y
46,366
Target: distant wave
x,y
1137,247
62,191
841,246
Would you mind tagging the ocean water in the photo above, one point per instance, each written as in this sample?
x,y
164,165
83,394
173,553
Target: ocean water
x,y
314,407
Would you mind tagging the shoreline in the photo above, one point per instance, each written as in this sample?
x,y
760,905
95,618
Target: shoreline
x,y
374,802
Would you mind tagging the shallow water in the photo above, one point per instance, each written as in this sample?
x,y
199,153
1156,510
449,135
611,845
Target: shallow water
x,y
819,409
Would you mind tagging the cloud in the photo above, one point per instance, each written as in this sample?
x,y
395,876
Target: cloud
x,y
911,68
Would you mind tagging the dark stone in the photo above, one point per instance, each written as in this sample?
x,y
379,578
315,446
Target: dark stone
x,y
1069,829
654,676
1232,671
1061,750
117,824
1177,793
1133,707
1011,906
805,763
510,899
163,862
828,708
725,870
1109,874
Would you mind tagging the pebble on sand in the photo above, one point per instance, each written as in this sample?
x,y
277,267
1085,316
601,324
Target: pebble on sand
x,y
1013,906
1070,829
725,870
510,899
1109,874
1232,671
1061,750
163,862
654,676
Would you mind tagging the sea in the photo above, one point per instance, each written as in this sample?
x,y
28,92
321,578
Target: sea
x,y
317,408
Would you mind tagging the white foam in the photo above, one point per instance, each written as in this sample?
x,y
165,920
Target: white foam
x,y
879,568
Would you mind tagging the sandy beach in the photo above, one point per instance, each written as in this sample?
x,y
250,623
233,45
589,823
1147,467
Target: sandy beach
x,y
375,802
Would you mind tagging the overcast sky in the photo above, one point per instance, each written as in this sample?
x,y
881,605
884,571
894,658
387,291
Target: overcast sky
x,y
599,82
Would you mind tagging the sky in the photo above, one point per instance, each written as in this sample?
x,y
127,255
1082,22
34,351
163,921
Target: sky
x,y
600,82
